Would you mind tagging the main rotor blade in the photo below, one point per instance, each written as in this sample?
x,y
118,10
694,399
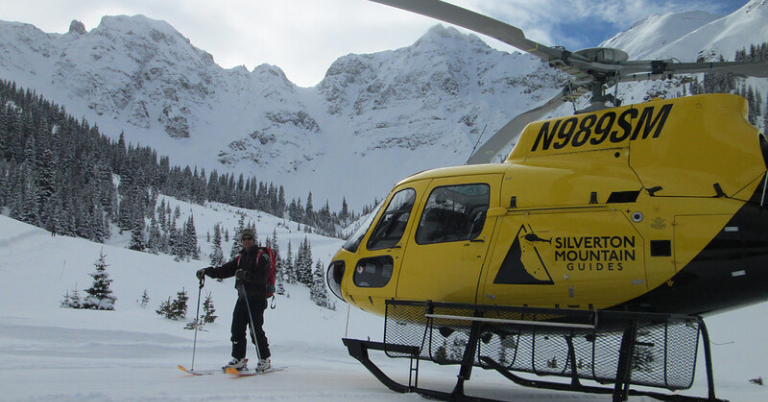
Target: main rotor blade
x,y
511,131
751,69
479,23
663,67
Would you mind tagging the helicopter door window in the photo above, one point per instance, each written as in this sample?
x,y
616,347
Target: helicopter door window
x,y
454,213
393,221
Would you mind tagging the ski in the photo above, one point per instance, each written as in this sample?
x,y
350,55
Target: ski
x,y
203,372
250,373
199,372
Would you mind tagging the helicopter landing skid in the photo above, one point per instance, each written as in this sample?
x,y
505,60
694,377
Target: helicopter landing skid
x,y
607,347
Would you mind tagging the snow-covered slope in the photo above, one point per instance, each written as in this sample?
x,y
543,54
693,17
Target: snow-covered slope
x,y
691,35
646,37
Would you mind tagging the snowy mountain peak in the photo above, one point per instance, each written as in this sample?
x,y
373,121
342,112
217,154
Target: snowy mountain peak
x,y
755,4
139,26
77,27
646,37
692,36
441,35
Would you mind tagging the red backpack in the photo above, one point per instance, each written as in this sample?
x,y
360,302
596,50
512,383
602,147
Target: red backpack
x,y
272,269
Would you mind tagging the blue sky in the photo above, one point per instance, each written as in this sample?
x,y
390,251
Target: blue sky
x,y
578,24
303,37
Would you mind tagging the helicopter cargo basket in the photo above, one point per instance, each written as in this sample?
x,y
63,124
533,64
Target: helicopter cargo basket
x,y
607,347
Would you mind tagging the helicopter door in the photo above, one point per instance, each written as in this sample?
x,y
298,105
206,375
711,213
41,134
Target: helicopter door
x,y
445,254
376,271
567,258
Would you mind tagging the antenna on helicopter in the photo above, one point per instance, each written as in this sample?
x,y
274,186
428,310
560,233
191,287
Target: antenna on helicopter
x,y
476,143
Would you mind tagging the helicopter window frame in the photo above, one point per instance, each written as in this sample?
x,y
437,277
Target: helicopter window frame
x,y
392,223
454,213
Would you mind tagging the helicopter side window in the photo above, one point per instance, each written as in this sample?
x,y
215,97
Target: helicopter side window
x,y
373,272
392,224
454,213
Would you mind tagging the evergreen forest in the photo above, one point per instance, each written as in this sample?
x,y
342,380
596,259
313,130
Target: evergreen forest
x,y
63,175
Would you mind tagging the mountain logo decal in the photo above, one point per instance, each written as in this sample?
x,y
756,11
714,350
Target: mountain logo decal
x,y
523,264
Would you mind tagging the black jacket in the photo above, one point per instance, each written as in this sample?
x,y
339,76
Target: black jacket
x,y
256,278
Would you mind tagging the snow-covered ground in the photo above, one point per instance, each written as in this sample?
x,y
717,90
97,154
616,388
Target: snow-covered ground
x,y
48,353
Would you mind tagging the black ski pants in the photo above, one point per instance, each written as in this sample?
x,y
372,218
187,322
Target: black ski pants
x,y
240,323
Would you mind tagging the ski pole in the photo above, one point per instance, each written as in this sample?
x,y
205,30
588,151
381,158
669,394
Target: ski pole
x,y
250,317
197,322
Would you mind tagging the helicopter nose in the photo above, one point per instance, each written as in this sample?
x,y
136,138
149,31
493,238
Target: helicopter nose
x,y
334,276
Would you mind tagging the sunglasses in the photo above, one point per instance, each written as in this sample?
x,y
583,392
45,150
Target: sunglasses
x,y
247,238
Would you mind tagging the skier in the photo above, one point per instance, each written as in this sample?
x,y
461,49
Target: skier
x,y
251,285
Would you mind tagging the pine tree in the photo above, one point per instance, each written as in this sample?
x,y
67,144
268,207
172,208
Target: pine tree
x,y
177,244
179,305
190,239
155,239
279,265
208,310
137,240
99,228
753,109
309,211
166,310
236,246
217,256
318,292
304,263
206,318
289,270
344,214
765,119
174,309
99,294
144,299
72,300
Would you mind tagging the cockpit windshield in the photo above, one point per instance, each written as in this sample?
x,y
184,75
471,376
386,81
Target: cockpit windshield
x,y
353,241
390,228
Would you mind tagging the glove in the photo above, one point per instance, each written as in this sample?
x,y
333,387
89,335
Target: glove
x,y
200,273
242,275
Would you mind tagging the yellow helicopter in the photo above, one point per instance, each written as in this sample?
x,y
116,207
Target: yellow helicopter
x,y
656,206
591,252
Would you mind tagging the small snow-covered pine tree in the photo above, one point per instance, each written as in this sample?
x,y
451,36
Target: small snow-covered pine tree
x,y
190,239
289,271
217,255
179,306
236,246
304,263
99,294
318,292
279,264
72,299
174,309
206,318
137,240
165,310
144,299
208,310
